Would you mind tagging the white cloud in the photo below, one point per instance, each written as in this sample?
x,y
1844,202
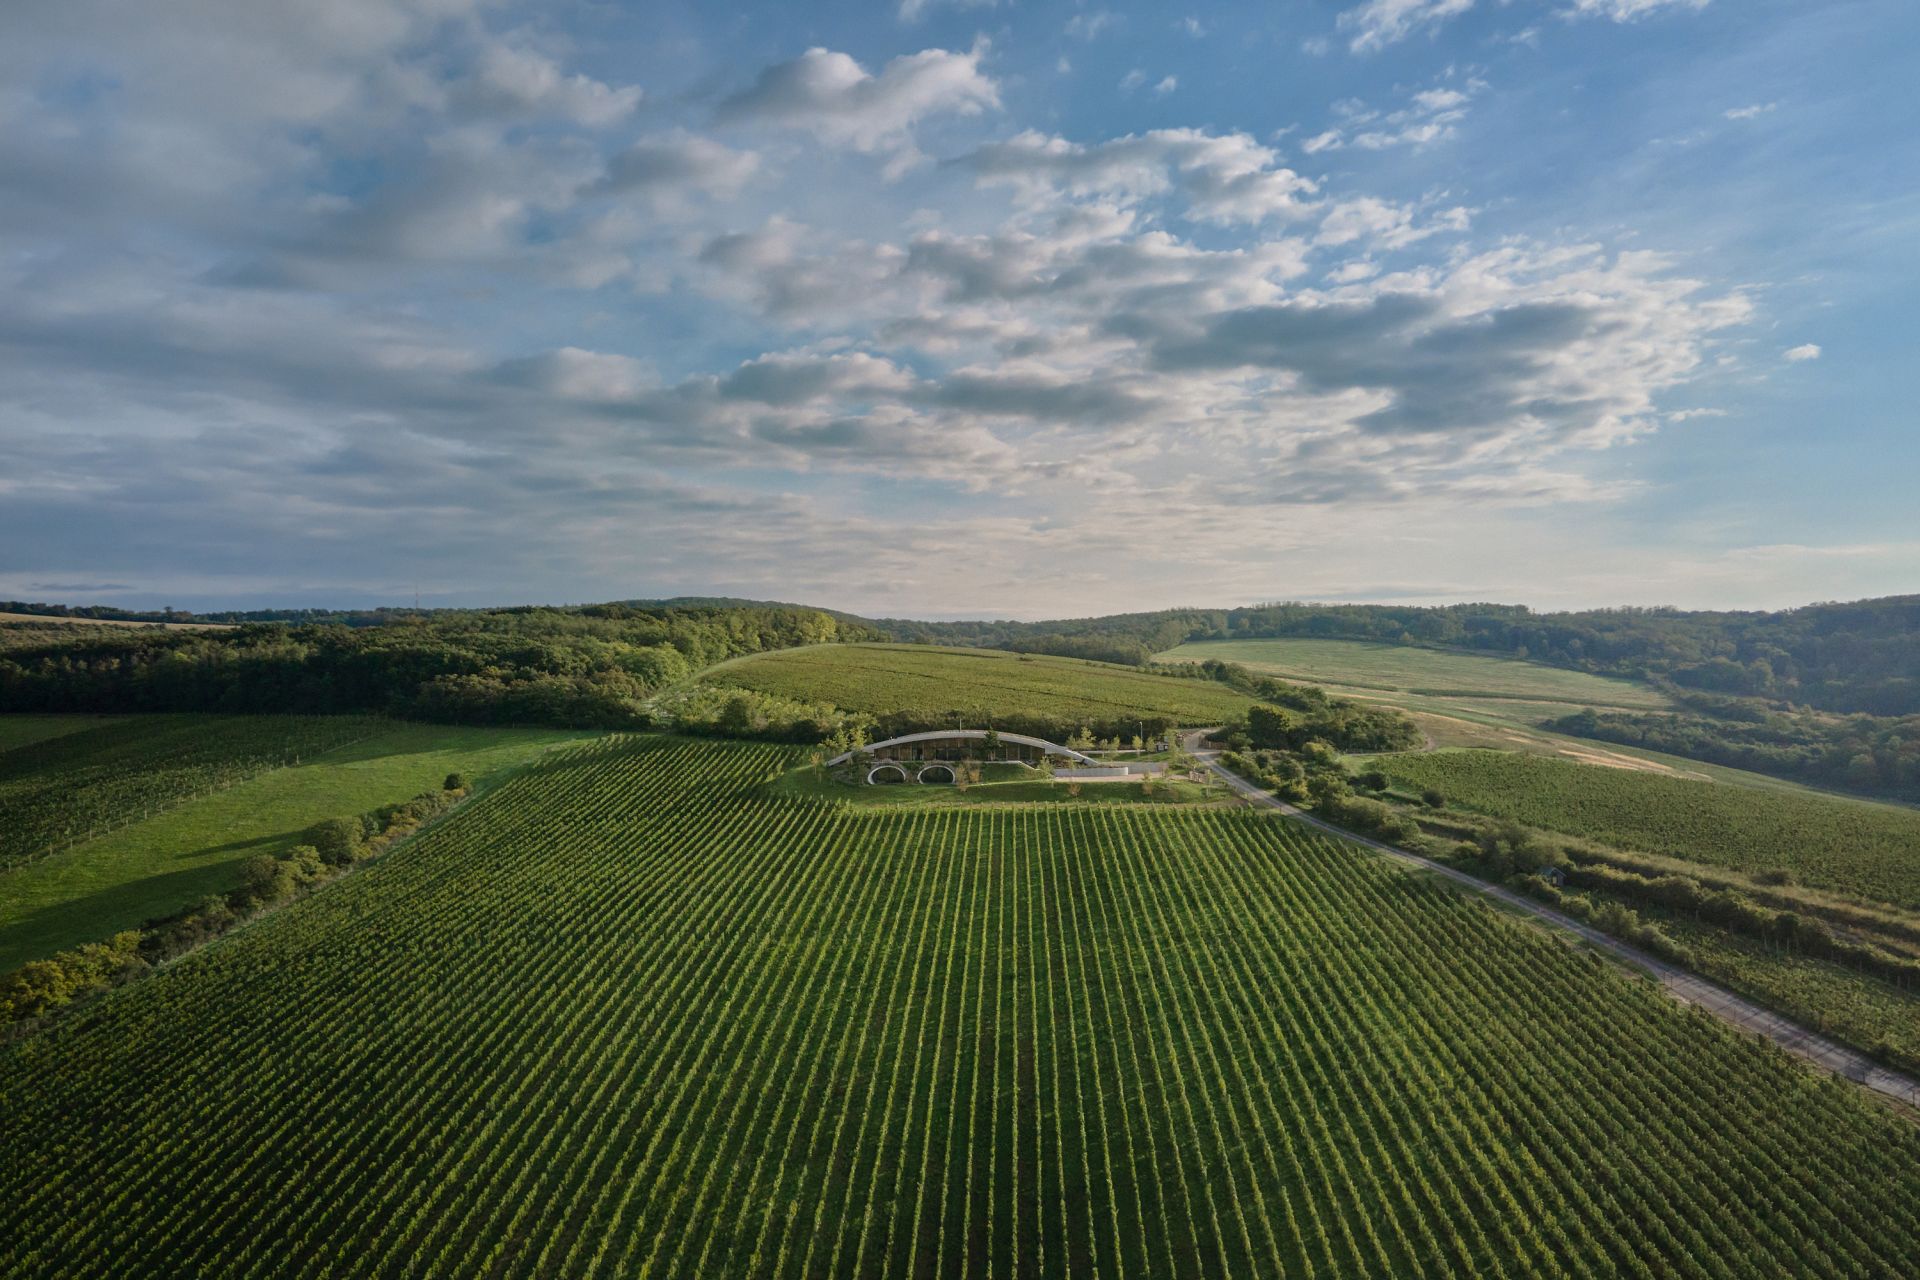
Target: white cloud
x,y
1805,351
572,373
672,165
1379,23
1086,26
1224,178
1383,224
1751,112
834,97
1132,80
1166,85
1431,115
525,80
322,377
915,10
1629,10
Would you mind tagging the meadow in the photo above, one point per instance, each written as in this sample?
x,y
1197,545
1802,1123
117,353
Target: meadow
x,y
1430,672
1855,847
77,786
175,858
911,687
627,1013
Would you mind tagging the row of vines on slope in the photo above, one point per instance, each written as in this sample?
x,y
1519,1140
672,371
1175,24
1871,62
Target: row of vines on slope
x,y
59,793
628,1015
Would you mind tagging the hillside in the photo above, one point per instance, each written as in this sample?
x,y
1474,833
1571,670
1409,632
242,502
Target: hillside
x,y
910,687
625,1015
1862,656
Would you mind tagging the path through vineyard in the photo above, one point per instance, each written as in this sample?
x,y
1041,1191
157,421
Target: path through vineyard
x,y
1689,988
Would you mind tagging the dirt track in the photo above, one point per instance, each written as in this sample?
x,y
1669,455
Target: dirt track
x,y
1686,987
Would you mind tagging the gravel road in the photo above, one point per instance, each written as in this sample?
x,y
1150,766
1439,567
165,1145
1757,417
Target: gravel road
x,y
1686,987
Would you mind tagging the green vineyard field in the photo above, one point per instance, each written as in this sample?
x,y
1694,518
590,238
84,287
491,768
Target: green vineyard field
x,y
915,686
1857,847
72,788
628,1015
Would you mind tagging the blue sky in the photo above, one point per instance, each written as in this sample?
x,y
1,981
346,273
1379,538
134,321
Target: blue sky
x,y
959,308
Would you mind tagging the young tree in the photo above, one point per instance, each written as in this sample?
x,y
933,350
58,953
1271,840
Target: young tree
x,y
337,840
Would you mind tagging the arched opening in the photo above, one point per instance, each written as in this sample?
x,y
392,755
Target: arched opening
x,y
886,773
937,773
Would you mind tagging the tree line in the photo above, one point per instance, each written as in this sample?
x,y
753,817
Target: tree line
x,y
592,666
1857,657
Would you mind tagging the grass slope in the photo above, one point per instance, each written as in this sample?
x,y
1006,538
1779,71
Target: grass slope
x,y
627,1015
178,857
934,686
1433,672
1855,847
74,788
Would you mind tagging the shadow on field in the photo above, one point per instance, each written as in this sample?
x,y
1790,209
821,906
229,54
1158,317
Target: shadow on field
x,y
276,840
96,915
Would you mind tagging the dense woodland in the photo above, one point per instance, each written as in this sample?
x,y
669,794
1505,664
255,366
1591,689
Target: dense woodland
x,y
1873,754
584,666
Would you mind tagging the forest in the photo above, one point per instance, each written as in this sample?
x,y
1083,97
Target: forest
x,y
586,666
1858,657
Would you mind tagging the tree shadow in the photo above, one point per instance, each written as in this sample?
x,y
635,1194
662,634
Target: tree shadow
x,y
95,916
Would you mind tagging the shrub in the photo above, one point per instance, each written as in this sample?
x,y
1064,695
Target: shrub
x,y
456,782
337,840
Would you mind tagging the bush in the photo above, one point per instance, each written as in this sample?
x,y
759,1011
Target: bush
x,y
1433,799
456,782
1369,817
44,985
337,840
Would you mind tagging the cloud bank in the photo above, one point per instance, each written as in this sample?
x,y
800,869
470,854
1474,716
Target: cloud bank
x,y
441,305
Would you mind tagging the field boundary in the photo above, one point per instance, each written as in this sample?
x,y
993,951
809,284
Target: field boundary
x,y
1684,986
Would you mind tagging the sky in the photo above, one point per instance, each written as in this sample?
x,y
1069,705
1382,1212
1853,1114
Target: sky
x,y
959,308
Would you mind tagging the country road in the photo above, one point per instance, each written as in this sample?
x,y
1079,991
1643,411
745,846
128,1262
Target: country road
x,y
1686,987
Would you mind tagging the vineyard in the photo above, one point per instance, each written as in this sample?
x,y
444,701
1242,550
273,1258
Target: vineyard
x,y
17,732
1407,669
916,687
1856,847
82,785
629,1015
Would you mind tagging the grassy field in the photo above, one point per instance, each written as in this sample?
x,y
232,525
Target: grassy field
x,y
25,731
50,620
79,786
1855,847
175,859
629,1015
1432,672
922,685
